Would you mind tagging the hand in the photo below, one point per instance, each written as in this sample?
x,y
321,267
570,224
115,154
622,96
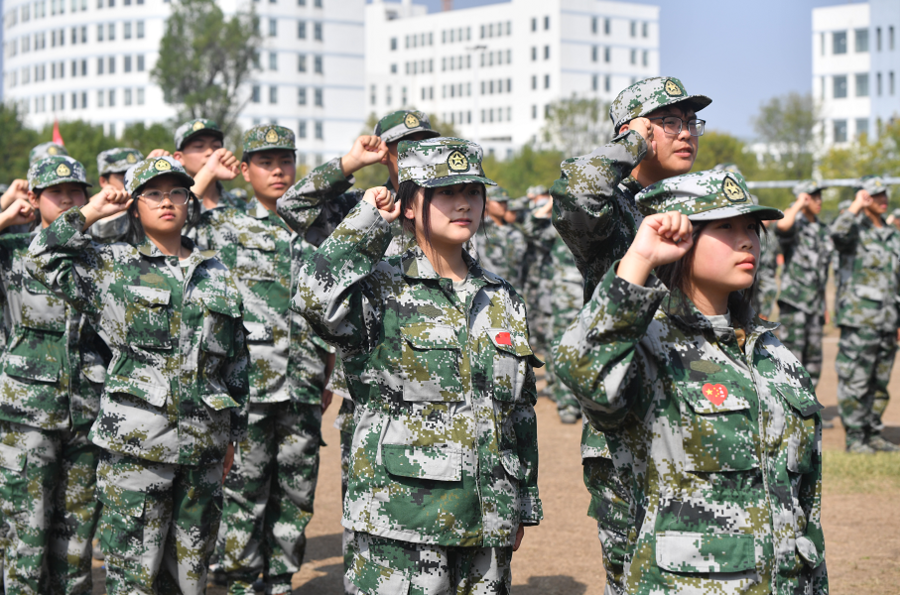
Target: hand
x,y
520,533
155,153
381,198
661,239
106,203
644,127
366,150
19,212
17,189
862,200
223,165
327,397
545,210
229,461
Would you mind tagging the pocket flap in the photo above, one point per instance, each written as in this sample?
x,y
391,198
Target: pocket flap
x,y
152,393
32,368
512,464
222,305
707,398
376,579
257,332
96,373
680,551
219,401
124,501
801,400
149,296
12,458
503,340
428,335
257,241
869,293
423,462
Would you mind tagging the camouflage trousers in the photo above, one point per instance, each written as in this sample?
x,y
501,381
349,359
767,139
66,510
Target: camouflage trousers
x,y
564,309
159,524
864,363
384,566
49,509
802,334
347,537
610,510
269,496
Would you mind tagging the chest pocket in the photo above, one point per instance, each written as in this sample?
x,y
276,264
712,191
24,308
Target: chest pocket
x,y
218,326
510,363
41,309
253,260
147,317
717,433
800,428
429,363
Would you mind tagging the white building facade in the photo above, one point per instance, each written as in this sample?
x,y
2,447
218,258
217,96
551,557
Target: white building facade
x,y
91,59
856,62
491,71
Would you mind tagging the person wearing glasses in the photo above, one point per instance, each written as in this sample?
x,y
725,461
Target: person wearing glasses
x,y
657,134
174,402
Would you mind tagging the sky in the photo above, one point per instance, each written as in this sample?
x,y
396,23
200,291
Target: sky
x,y
739,53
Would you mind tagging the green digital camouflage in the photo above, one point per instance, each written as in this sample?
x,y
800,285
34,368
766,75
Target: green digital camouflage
x,y
767,276
51,171
194,128
441,161
110,230
117,161
874,185
438,456
650,94
45,150
801,332
696,417
501,249
268,137
808,187
144,171
403,123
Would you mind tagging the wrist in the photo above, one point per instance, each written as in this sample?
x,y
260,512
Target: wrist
x,y
634,268
349,165
90,214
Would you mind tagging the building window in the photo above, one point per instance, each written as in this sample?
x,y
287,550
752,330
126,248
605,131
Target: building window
x,y
645,29
140,29
891,38
839,83
877,39
861,39
127,97
301,96
839,42
373,97
301,129
317,65
126,30
140,63
840,131
126,64
594,25
595,82
301,30
393,69
533,26
546,81
533,53
862,85
273,60
862,127
140,91
100,98
99,32
255,94
99,66
319,132
822,42
594,52
607,26
634,56
546,23
878,84
546,52
112,31
112,64
607,55
533,82
273,94
393,44
607,83
273,27
317,31
112,98
84,68
891,83
317,98
633,28
645,58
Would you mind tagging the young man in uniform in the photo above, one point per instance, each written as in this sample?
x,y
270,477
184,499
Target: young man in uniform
x,y
657,137
199,148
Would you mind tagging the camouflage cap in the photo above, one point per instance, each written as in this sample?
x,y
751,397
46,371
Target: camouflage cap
x,y
896,213
397,125
196,127
873,185
650,94
268,137
46,150
844,205
117,161
808,187
498,194
59,169
441,161
141,173
540,190
731,167
703,196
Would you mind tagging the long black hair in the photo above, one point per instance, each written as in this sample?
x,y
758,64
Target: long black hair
x,y
135,234
406,194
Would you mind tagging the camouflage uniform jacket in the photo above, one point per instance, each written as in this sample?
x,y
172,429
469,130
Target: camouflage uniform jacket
x,y
177,385
445,447
501,249
767,276
52,370
560,283
723,445
807,252
869,274
264,257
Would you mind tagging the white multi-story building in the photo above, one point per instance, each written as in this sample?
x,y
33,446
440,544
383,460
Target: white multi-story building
x,y
91,59
856,61
492,71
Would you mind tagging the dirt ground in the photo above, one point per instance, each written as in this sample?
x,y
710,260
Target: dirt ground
x,y
562,555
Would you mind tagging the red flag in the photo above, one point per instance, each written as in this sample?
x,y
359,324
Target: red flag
x,y
57,137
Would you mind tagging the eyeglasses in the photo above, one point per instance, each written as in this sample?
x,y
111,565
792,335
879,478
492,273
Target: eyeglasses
x,y
674,125
177,196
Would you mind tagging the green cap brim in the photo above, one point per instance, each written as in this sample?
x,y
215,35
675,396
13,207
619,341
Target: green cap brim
x,y
764,213
271,148
183,177
454,180
63,181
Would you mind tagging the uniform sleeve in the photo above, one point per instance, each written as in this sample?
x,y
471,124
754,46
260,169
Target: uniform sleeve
x,y
845,231
584,209
320,199
810,497
336,295
601,353
65,260
236,375
525,425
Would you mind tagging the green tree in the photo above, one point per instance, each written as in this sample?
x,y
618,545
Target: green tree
x,y
17,142
865,156
527,167
721,147
576,125
205,60
146,138
84,141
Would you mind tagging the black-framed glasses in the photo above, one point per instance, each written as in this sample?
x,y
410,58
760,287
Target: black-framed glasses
x,y
177,196
674,125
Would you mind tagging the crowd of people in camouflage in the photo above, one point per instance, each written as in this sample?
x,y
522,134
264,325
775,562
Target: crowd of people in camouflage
x,y
171,346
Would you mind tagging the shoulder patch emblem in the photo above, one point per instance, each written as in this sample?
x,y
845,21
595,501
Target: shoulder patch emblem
x,y
198,125
672,88
63,170
733,191
457,161
162,165
271,136
411,121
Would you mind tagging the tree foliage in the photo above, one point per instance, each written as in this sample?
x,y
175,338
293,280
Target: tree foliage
x,y
721,147
205,60
880,156
17,142
527,167
576,125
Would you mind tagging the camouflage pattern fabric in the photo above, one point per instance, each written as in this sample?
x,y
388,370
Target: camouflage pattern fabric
x,y
382,565
424,423
864,363
501,250
49,509
158,525
144,171
45,150
441,161
874,185
649,95
267,138
400,124
196,127
110,230
51,171
801,332
766,275
695,418
117,161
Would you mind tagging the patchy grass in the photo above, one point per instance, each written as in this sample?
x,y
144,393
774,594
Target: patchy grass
x,y
852,473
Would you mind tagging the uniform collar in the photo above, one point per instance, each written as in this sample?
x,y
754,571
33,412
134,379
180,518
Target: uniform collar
x,y
415,265
680,308
149,249
256,210
631,185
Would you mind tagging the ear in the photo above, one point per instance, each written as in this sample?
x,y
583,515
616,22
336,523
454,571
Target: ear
x,y
104,181
625,127
33,199
245,171
178,156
